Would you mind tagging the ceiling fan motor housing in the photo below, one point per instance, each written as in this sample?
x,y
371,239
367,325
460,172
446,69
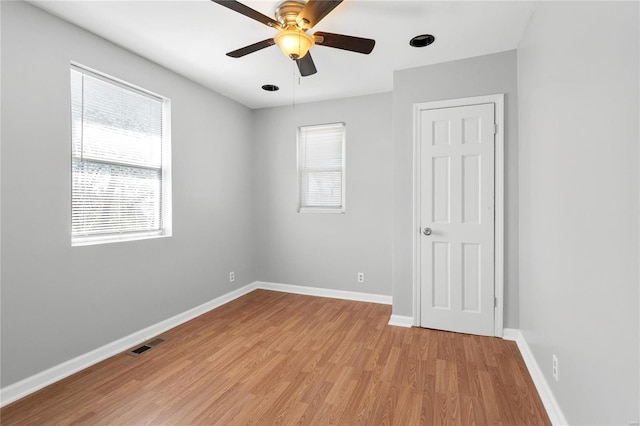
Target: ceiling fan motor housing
x,y
287,13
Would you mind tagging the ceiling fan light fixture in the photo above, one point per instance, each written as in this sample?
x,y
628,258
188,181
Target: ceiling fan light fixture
x,y
293,43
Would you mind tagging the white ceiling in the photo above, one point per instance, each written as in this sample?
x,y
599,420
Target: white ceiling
x,y
192,37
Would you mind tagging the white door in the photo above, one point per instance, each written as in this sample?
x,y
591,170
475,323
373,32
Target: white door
x,y
456,245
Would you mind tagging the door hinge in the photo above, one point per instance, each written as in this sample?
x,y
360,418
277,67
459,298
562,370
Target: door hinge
x,y
495,302
495,129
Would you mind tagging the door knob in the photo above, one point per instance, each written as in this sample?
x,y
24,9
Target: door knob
x,y
427,231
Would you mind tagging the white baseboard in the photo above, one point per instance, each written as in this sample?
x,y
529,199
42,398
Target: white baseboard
x,y
542,386
325,292
401,321
38,381
511,334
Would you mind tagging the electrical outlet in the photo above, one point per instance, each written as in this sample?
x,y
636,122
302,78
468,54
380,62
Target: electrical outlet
x,y
232,277
555,367
360,277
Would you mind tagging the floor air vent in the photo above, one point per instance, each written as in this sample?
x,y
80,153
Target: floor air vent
x,y
144,348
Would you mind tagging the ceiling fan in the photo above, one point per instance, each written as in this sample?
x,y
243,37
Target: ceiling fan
x,y
293,18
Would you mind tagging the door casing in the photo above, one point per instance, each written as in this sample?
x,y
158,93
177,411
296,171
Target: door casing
x,y
498,100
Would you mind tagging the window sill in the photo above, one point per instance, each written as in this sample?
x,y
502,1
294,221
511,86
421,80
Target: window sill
x,y
321,210
107,239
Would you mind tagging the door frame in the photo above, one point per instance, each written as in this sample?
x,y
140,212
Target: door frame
x,y
498,100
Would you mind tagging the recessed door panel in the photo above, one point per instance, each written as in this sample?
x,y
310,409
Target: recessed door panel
x,y
441,132
471,188
471,130
471,277
441,186
441,276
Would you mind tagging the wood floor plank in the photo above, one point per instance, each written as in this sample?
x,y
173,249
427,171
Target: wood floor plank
x,y
409,407
272,358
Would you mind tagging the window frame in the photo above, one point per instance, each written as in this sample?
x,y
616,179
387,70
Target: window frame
x,y
342,209
166,218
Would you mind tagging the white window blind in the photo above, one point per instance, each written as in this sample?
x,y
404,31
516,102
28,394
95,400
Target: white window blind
x,y
321,168
118,136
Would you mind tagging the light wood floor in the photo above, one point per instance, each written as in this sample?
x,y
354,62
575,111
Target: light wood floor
x,y
273,358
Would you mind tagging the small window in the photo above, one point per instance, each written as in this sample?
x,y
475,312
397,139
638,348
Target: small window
x,y
120,149
321,168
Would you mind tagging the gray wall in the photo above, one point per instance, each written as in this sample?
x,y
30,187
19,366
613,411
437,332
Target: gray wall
x,y
60,301
483,75
326,250
578,87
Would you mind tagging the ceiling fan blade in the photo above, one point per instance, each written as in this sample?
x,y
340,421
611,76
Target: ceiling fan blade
x,y
306,65
345,42
251,48
236,6
315,10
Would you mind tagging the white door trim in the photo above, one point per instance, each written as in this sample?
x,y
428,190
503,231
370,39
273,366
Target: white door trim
x,y
498,100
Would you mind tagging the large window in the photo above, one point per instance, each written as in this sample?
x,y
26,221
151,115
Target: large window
x,y
120,161
321,168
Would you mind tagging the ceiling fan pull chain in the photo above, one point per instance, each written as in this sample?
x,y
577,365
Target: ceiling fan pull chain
x,y
293,92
